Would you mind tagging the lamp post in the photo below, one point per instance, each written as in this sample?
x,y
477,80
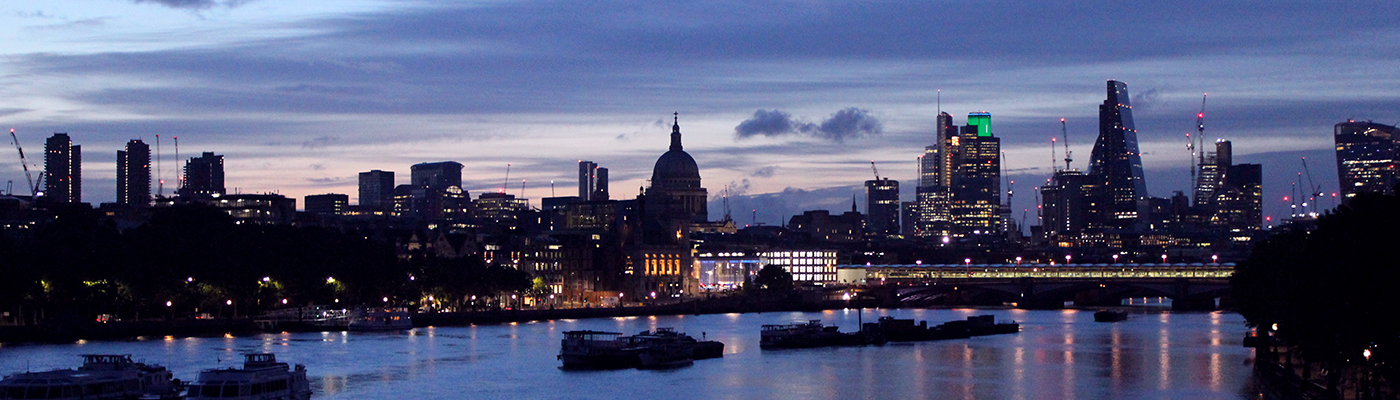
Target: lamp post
x,y
1164,258
968,263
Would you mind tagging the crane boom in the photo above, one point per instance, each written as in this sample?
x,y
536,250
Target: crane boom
x,y
873,169
1064,132
506,183
33,185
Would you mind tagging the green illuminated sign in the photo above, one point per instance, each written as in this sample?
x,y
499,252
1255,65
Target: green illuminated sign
x,y
982,120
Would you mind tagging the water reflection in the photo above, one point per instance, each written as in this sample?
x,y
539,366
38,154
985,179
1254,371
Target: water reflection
x,y
1058,355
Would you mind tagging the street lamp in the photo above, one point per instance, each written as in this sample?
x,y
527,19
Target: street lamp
x,y
1215,259
1067,257
1164,258
1018,260
1115,258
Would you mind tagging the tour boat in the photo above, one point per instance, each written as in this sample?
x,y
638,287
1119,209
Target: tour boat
x,y
700,350
102,376
262,378
380,319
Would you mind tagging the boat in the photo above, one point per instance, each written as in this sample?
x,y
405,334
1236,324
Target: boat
x,y
261,378
904,330
1110,316
590,349
665,356
814,334
102,376
380,319
700,349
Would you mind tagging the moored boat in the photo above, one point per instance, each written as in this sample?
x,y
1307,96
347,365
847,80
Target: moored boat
x,y
261,378
1110,316
700,349
102,376
597,350
814,334
380,319
663,356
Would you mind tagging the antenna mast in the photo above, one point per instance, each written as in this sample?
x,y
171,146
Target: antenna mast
x,y
1064,131
180,180
522,189
1053,168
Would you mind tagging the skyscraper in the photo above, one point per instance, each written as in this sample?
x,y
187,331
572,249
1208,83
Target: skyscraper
x,y
63,170
592,181
377,190
1116,162
936,170
976,191
134,174
437,174
882,206
204,176
1366,154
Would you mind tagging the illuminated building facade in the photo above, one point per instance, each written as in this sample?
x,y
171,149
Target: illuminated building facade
x,y
1116,162
134,174
960,179
63,170
1366,154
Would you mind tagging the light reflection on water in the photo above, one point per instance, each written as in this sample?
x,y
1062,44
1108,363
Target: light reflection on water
x,y
1058,355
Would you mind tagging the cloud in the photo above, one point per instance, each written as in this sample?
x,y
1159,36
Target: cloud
x,y
195,4
1145,99
765,172
845,124
317,143
318,167
5,112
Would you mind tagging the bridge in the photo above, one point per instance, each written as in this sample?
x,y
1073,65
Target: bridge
x,y
1190,286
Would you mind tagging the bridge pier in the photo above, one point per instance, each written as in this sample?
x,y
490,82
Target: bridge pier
x,y
1040,303
1097,298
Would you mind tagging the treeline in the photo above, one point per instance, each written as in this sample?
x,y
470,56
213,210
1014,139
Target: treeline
x,y
196,259
1332,293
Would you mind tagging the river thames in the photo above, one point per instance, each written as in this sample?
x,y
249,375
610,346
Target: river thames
x,y
1057,355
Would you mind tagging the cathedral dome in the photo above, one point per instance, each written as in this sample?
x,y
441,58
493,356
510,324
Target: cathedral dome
x,y
675,169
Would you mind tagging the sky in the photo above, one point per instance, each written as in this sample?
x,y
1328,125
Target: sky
x,y
785,103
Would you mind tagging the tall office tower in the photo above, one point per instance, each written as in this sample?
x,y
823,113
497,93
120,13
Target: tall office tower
x,y
976,182
1065,206
1116,163
377,190
600,184
586,169
204,176
437,174
1211,174
63,170
134,174
1239,200
592,181
936,170
1366,155
327,204
882,206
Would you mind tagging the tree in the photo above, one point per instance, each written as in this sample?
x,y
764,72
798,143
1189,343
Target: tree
x,y
774,278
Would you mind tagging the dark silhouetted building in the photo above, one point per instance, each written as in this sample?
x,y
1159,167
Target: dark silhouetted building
x,y
1366,154
63,170
437,174
134,174
327,204
675,191
821,226
882,206
204,176
592,181
377,190
1116,162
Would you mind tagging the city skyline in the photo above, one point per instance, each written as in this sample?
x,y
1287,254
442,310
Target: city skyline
x,y
299,99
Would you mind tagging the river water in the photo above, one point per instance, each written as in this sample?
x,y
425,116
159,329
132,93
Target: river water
x,y
1057,355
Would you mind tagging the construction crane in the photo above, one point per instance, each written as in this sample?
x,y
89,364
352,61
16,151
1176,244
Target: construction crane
x,y
33,185
873,169
506,183
1314,189
1201,137
1064,131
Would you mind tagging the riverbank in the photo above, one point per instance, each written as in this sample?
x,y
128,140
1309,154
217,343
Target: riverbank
x,y
121,330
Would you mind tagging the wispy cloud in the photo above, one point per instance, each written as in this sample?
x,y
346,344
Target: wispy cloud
x,y
195,4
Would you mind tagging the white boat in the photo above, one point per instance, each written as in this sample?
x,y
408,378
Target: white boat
x,y
262,378
380,319
102,376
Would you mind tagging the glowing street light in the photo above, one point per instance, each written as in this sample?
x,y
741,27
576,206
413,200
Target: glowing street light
x,y
1164,258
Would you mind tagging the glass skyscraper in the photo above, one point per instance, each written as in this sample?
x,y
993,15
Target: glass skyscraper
x,y
1366,153
1116,162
